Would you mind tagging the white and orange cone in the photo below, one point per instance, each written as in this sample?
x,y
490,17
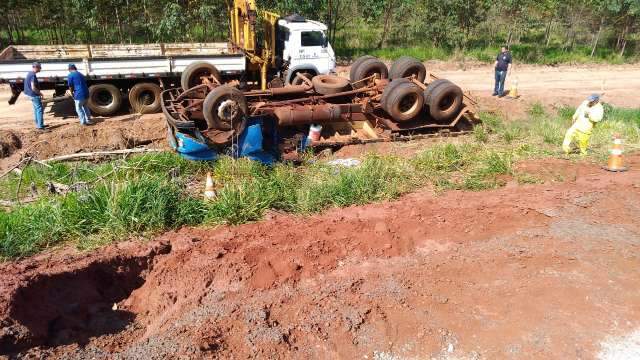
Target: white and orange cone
x,y
209,192
616,158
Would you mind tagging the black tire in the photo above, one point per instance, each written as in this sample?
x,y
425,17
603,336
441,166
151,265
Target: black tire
x,y
297,81
445,102
407,66
357,63
222,129
104,99
388,90
403,102
330,84
431,87
192,74
145,98
368,68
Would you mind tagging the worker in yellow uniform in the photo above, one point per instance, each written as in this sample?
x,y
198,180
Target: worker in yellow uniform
x,y
587,115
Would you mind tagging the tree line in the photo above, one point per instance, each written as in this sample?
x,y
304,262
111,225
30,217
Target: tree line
x,y
611,25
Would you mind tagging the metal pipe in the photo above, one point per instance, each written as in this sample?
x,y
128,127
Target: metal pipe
x,y
287,90
314,114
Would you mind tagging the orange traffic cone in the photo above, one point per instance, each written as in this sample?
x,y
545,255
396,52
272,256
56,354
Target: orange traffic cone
x,y
616,160
209,192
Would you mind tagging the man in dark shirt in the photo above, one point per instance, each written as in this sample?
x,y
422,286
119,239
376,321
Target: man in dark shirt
x,y
502,67
80,90
32,89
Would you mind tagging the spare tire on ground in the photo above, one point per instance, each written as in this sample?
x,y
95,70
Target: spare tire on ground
x,y
225,110
368,68
192,74
104,99
407,66
330,84
145,98
402,100
445,101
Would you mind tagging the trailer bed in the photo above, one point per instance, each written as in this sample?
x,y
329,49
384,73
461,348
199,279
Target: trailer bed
x,y
110,61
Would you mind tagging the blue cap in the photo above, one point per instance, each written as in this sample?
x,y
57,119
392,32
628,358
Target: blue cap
x,y
72,67
36,65
593,97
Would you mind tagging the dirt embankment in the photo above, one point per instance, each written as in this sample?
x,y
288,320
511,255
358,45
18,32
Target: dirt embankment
x,y
541,271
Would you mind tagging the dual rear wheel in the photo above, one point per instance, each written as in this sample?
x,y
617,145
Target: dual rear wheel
x,y
106,99
402,99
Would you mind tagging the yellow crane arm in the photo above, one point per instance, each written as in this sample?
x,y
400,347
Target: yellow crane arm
x,y
243,16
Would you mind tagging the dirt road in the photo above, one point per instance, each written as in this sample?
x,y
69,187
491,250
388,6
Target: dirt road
x,y
541,271
558,84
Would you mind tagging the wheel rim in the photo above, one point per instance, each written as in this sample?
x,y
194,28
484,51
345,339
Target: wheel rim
x,y
228,112
146,98
197,77
408,104
446,102
103,98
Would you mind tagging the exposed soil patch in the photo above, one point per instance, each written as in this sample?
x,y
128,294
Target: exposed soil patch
x,y
9,143
71,304
538,269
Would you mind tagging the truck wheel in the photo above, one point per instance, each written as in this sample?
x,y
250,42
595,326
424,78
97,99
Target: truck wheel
x,y
407,66
445,102
403,102
357,63
388,90
329,84
191,76
297,81
145,98
104,99
225,110
367,68
431,87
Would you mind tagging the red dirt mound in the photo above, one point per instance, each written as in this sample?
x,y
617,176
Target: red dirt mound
x,y
540,269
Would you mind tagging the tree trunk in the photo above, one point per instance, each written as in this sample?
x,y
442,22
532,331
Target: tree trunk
x,y
624,38
120,38
547,32
387,22
597,37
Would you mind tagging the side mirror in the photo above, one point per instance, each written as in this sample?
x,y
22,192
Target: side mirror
x,y
326,42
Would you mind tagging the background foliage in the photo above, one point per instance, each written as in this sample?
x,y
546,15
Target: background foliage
x,y
539,30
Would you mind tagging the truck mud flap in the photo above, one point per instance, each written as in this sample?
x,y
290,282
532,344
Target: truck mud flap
x,y
16,90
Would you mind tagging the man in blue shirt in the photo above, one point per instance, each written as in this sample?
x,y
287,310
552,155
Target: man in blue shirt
x,y
80,91
502,67
32,89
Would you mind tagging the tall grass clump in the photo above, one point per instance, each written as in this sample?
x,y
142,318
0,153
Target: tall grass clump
x,y
145,194
110,210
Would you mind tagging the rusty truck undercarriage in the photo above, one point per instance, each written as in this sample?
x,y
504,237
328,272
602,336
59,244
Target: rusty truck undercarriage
x,y
375,104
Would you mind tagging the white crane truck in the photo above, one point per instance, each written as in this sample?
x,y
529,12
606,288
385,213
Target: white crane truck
x,y
140,71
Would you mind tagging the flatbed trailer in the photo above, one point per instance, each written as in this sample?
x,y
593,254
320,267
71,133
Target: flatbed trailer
x,y
138,71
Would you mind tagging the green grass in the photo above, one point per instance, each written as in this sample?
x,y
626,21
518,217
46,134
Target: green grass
x,y
522,54
144,195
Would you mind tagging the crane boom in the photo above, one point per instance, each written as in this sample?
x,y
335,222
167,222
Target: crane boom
x,y
243,15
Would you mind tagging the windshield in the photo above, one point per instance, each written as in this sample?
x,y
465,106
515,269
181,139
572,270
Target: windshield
x,y
312,38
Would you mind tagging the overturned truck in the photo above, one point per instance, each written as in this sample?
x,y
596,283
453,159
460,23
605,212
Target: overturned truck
x,y
375,104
